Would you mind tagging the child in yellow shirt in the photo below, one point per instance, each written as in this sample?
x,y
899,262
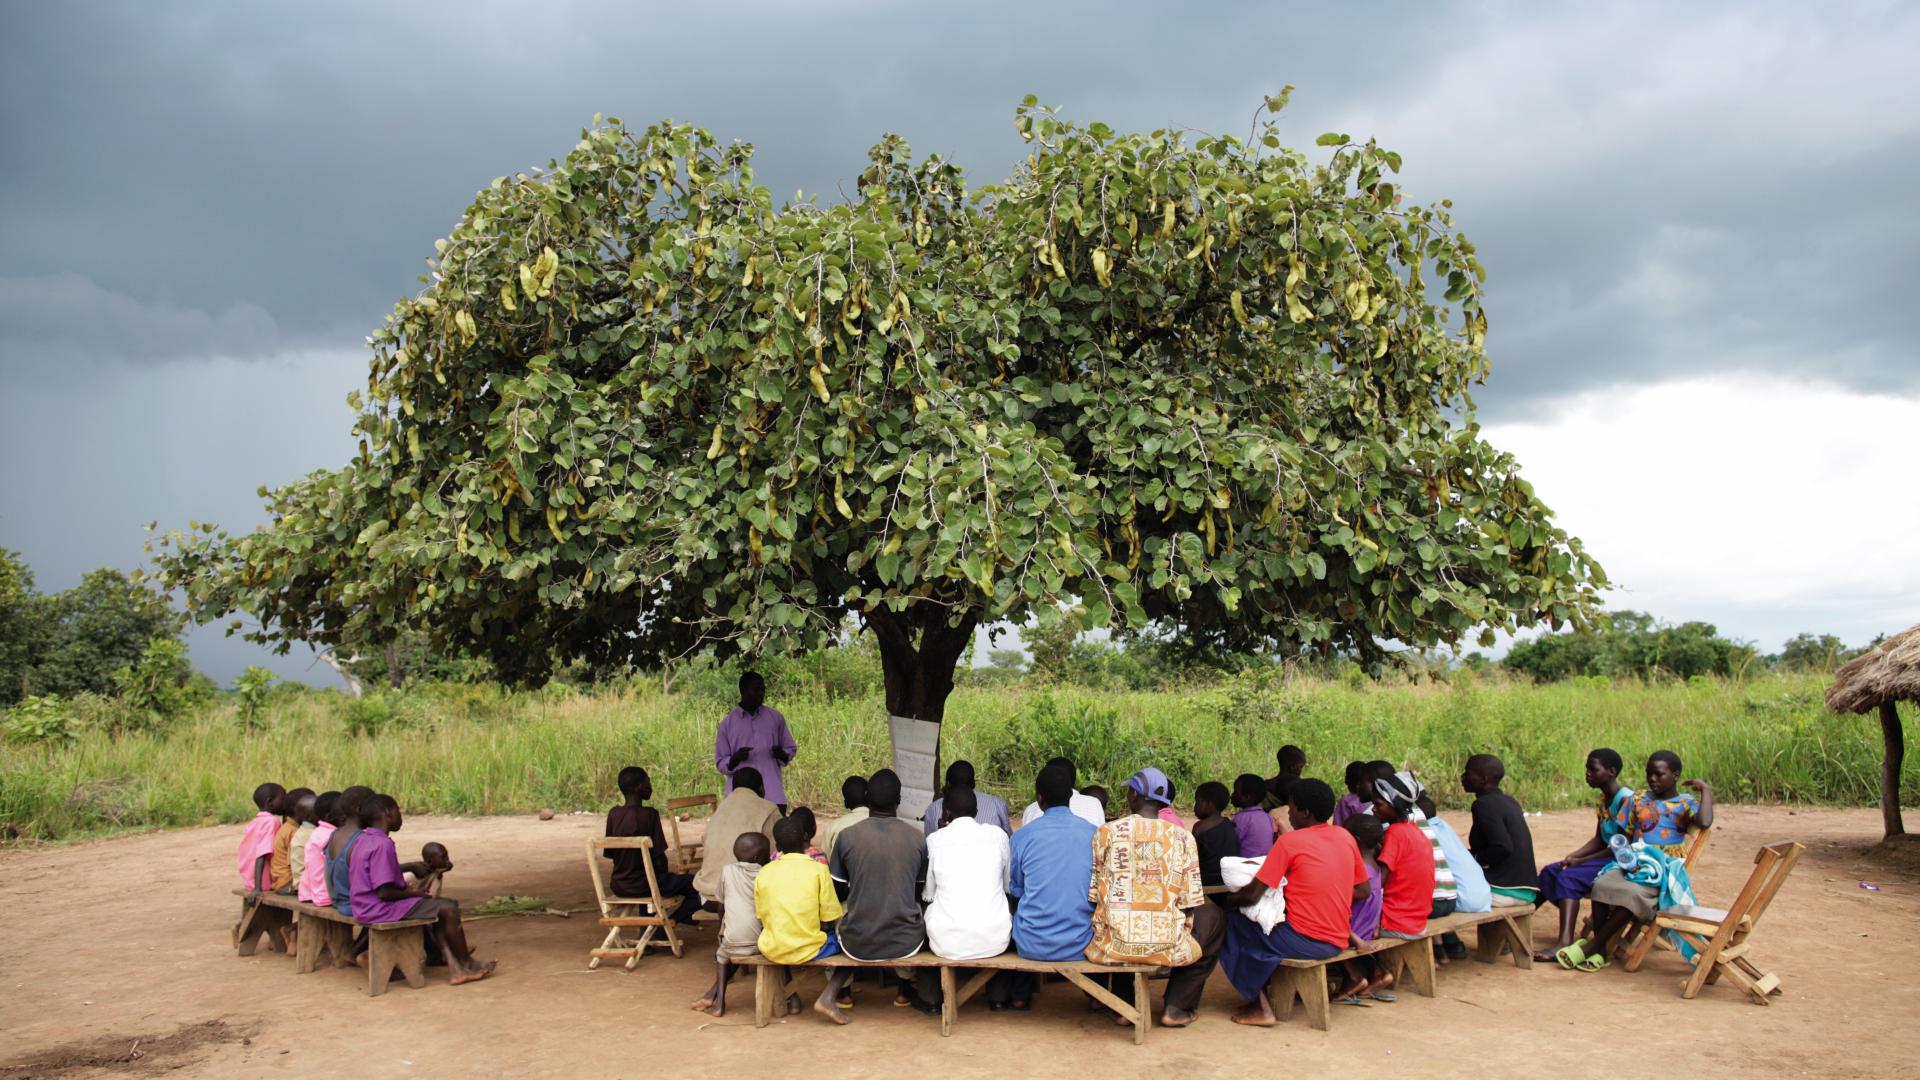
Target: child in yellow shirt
x,y
794,897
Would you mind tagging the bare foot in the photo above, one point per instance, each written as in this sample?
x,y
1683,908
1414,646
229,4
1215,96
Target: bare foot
x,y
1175,1018
718,1008
1381,984
474,974
1254,1014
704,1004
360,961
825,1007
1121,1021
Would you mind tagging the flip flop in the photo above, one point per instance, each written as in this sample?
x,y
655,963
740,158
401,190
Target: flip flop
x,y
1593,963
1350,1001
1384,996
1571,957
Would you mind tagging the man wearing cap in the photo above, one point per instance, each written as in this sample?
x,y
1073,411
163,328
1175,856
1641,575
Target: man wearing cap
x,y
1148,904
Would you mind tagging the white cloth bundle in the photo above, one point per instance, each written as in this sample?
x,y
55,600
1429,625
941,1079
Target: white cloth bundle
x,y
1271,909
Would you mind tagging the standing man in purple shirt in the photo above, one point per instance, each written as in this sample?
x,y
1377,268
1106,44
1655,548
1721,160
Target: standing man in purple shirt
x,y
755,734
381,894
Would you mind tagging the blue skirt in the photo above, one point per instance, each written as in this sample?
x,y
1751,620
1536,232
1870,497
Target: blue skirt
x,y
1251,956
1571,882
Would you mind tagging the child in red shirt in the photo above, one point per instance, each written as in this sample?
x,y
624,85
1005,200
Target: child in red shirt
x,y
1406,863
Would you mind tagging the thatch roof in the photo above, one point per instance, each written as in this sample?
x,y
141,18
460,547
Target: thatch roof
x,y
1888,672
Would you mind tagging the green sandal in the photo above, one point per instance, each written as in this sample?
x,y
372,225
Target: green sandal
x,y
1572,956
1593,963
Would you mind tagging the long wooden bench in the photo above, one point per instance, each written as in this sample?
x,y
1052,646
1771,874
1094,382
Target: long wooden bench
x,y
324,931
1511,927
770,987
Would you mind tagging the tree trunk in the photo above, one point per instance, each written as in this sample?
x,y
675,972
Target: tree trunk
x,y
917,662
1896,741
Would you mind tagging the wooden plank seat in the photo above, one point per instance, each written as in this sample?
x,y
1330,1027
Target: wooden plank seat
x,y
770,987
1719,937
1306,980
323,931
621,913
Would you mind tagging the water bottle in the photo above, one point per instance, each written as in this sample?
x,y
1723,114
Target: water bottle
x,y
1623,851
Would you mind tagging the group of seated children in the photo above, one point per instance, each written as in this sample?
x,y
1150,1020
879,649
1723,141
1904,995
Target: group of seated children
x,y
1361,872
335,849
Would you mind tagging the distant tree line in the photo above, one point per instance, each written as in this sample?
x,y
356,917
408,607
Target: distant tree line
x,y
1637,645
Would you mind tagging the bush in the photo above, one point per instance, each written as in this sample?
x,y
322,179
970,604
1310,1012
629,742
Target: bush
x,y
377,713
160,686
41,719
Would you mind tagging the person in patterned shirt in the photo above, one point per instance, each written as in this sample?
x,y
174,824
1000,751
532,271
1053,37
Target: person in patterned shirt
x,y
1661,813
1148,904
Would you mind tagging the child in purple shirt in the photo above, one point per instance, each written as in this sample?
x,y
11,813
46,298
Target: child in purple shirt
x,y
1253,825
1363,976
381,894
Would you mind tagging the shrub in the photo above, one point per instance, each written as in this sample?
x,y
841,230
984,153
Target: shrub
x,y
45,718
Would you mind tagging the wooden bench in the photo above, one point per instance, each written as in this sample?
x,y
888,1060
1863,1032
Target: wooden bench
x,y
1307,979
324,931
771,988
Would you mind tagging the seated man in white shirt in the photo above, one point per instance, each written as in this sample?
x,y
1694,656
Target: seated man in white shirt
x,y
1085,807
966,893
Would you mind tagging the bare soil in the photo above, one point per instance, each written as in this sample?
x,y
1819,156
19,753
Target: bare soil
x,y
115,961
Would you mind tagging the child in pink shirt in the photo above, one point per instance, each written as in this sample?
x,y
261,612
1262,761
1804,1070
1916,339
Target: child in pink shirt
x,y
313,872
256,844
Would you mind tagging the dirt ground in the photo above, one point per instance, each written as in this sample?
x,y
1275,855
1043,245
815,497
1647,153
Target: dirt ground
x,y
115,961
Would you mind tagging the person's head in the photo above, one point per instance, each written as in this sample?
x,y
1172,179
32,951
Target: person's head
x,y
1663,774
853,792
1367,832
1369,771
1248,790
301,802
752,847
1603,767
348,806
804,815
790,836
1393,799
635,783
1309,803
1147,791
753,691
1053,787
380,812
1483,772
883,792
1098,794
957,803
434,854
960,774
1073,775
1291,759
749,777
323,808
1356,775
268,797
1210,798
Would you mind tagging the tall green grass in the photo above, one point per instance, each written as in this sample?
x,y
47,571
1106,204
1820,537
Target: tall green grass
x,y
479,750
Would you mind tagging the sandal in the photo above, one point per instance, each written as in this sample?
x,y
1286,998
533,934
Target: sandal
x,y
1595,962
1382,995
1572,956
1350,1001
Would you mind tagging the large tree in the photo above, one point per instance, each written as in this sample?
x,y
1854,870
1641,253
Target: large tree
x,y
639,411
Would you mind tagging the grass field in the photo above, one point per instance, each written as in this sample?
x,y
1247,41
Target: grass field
x,y
478,750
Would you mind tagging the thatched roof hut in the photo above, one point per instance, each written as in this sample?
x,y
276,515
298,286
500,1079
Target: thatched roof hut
x,y
1885,675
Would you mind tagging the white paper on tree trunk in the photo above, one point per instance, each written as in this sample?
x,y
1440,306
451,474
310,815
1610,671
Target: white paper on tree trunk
x,y
916,745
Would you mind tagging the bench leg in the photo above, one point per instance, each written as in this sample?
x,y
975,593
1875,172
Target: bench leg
x,y
949,1001
1516,932
320,938
389,949
257,919
1418,957
1143,1003
763,978
1307,984
974,985
1106,997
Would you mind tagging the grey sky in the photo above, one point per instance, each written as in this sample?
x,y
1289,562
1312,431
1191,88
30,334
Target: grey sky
x,y
204,208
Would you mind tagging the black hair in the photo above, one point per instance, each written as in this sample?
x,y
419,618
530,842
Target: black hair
x,y
748,678
1367,831
348,805
1672,759
427,849
1608,759
1487,767
1314,797
1073,773
1213,793
960,774
790,836
750,844
292,801
1054,785
1250,784
853,792
631,778
374,808
267,794
323,804
804,815
1291,755
883,791
960,802
1356,772
1170,791
749,777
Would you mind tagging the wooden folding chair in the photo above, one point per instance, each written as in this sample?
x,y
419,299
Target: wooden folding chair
x,y
620,912
689,856
1720,938
1645,939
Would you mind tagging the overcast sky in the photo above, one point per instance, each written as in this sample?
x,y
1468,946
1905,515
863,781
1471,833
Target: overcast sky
x,y
1697,221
